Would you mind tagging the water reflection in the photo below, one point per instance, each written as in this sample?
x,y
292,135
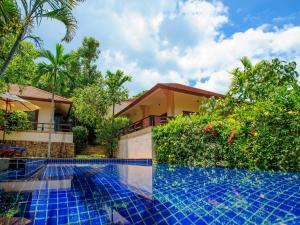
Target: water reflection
x,y
137,178
132,194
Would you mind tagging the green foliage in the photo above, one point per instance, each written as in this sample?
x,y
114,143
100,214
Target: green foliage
x,y
88,55
80,137
27,14
115,87
108,132
90,156
248,128
140,94
14,121
257,82
9,18
22,68
80,69
91,104
54,73
9,203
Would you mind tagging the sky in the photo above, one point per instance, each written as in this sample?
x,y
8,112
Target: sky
x,y
193,42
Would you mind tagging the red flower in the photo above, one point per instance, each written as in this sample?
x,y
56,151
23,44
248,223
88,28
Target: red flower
x,y
208,128
214,133
231,137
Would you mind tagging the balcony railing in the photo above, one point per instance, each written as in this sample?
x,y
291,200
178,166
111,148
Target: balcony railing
x,y
149,121
43,127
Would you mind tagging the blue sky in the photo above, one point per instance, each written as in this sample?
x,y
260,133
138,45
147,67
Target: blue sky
x,y
193,42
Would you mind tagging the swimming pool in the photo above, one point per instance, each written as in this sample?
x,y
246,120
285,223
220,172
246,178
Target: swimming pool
x,y
111,192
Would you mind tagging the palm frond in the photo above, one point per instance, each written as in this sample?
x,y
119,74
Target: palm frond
x,y
246,62
37,40
48,55
8,9
65,16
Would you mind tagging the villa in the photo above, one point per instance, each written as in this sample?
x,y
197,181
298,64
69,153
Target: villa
x,y
155,107
35,139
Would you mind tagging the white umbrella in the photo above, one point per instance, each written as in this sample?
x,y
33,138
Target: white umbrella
x,y
10,102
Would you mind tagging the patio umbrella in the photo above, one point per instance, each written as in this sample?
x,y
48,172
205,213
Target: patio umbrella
x,y
10,102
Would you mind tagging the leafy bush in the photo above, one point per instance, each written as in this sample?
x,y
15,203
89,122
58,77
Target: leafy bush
x,y
108,133
248,128
15,121
80,136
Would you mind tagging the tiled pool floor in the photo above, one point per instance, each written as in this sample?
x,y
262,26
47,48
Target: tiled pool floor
x,y
158,194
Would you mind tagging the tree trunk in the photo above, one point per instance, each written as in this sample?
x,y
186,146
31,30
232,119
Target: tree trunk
x,y
5,118
51,117
111,153
11,53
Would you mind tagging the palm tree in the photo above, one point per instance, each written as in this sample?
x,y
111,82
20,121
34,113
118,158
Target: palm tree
x,y
30,13
116,92
9,17
55,72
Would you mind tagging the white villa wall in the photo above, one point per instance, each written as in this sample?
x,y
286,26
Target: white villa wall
x,y
137,145
44,111
64,137
185,102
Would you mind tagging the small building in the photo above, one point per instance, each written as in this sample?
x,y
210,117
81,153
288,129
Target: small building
x,y
155,107
35,139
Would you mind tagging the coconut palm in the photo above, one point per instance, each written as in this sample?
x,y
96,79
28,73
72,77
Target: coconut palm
x,y
9,17
55,72
117,93
115,82
31,13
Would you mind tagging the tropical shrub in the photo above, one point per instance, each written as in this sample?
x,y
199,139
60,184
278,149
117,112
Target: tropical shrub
x,y
15,121
80,136
108,133
249,128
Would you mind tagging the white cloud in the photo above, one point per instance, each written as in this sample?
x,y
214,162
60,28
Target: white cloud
x,y
144,79
287,40
217,58
205,16
176,41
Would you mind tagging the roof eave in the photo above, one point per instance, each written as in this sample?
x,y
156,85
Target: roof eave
x,y
46,100
162,86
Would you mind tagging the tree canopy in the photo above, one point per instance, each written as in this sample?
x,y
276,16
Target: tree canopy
x,y
20,17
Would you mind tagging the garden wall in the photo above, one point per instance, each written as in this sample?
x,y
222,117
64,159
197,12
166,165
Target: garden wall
x,y
137,145
66,137
40,149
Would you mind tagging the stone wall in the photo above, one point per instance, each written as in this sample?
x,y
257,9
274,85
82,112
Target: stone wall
x,y
40,149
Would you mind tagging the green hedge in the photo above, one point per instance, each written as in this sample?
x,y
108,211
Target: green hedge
x,y
254,137
80,136
256,125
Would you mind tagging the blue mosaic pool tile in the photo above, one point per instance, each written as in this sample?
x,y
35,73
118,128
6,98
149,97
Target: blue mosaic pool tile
x,y
79,192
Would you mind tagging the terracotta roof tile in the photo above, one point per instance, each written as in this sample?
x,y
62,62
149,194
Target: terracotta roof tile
x,y
193,90
33,93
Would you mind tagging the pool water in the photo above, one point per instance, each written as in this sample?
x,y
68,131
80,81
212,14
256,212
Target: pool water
x,y
109,193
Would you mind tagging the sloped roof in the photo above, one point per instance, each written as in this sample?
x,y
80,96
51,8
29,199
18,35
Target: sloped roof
x,y
33,93
173,87
189,90
130,99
